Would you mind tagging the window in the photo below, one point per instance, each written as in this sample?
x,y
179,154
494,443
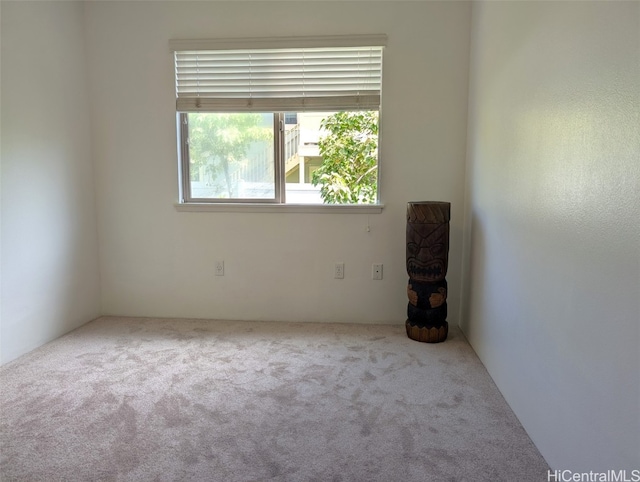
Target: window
x,y
281,121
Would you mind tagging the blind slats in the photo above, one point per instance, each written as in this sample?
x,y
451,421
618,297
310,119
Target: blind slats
x,y
278,79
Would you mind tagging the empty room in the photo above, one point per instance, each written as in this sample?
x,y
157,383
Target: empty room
x,y
320,240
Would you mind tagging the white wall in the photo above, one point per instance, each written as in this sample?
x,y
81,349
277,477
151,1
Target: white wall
x,y
554,207
50,281
156,261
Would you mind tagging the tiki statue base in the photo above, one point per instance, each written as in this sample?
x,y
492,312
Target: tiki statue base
x,y
427,334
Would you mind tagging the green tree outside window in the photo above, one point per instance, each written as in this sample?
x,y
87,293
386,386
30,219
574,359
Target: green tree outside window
x,y
348,174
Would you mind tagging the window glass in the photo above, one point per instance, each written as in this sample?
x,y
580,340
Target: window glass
x,y
331,158
231,155
325,158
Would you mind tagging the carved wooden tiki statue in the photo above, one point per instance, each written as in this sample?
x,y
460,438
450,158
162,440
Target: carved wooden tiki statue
x,y
427,261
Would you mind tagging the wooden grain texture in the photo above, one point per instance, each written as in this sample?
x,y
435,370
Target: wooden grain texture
x,y
427,334
429,212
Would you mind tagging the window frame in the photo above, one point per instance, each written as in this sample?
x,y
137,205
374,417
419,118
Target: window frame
x,y
187,202
185,184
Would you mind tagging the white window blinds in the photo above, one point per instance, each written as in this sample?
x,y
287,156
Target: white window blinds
x,y
278,75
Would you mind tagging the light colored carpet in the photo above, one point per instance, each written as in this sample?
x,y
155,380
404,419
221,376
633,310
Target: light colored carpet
x,y
163,400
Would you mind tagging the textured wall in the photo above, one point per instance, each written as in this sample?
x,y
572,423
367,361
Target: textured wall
x,y
50,281
552,299
159,262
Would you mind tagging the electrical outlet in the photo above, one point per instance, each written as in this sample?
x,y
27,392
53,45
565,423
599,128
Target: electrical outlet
x,y
219,268
338,271
376,271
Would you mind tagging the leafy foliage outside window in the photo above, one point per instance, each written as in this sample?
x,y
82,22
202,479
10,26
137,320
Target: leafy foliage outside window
x,y
348,174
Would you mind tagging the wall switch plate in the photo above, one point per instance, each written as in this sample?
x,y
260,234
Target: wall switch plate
x,y
219,268
376,271
338,271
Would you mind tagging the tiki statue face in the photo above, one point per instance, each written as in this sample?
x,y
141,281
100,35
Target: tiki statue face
x,y
427,251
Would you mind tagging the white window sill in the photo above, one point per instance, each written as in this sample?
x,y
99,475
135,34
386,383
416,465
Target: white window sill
x,y
280,208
